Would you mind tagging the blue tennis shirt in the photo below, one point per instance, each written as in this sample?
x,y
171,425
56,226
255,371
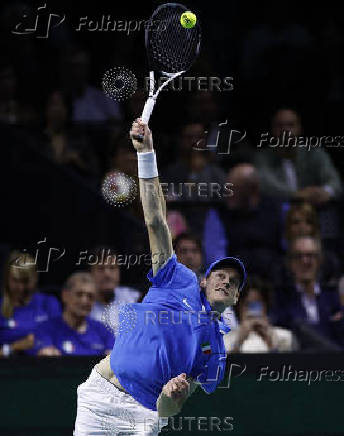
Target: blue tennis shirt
x,y
174,331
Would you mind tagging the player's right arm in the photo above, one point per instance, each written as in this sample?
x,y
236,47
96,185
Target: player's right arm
x,y
152,199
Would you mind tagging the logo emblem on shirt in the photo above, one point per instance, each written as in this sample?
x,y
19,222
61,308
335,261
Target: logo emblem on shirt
x,y
185,301
11,323
40,318
68,346
206,348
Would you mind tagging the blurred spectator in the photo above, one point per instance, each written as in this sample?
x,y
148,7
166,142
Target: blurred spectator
x,y
188,249
176,222
301,220
304,304
287,171
23,309
13,109
124,158
255,333
247,224
74,333
107,276
135,104
191,167
202,107
341,291
193,178
89,103
66,144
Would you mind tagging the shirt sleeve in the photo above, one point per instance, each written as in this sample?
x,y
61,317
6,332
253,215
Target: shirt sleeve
x,y
173,275
53,307
43,338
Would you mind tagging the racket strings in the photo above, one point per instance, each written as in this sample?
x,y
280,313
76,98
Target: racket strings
x,y
175,48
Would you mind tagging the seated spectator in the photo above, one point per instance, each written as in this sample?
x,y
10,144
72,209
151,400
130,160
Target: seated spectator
x,y
176,222
107,276
73,332
23,309
302,220
89,103
304,304
65,144
255,333
192,167
13,109
188,250
286,171
247,225
191,177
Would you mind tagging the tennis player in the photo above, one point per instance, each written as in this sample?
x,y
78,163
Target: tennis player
x,y
176,343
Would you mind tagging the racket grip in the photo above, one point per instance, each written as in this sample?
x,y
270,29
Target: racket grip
x,y
148,109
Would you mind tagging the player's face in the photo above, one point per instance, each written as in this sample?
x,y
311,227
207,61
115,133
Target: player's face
x,y
222,286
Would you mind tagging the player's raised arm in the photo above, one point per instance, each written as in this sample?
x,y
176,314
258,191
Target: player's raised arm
x,y
153,201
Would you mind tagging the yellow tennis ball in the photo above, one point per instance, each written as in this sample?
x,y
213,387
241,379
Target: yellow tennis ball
x,y
188,19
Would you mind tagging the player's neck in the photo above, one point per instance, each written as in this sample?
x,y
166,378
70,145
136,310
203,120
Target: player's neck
x,y
218,307
75,322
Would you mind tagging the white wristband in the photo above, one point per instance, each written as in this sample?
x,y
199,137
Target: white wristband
x,y
6,350
147,166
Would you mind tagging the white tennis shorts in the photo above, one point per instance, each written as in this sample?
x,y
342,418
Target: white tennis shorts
x,y
105,410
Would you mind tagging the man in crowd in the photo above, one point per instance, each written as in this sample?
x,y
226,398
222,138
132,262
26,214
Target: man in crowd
x,y
242,227
255,333
107,276
304,304
288,170
74,333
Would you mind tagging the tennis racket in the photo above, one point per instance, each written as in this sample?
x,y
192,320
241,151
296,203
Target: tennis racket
x,y
170,51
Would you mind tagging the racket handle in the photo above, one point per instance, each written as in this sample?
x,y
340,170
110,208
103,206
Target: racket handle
x,y
147,112
148,109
